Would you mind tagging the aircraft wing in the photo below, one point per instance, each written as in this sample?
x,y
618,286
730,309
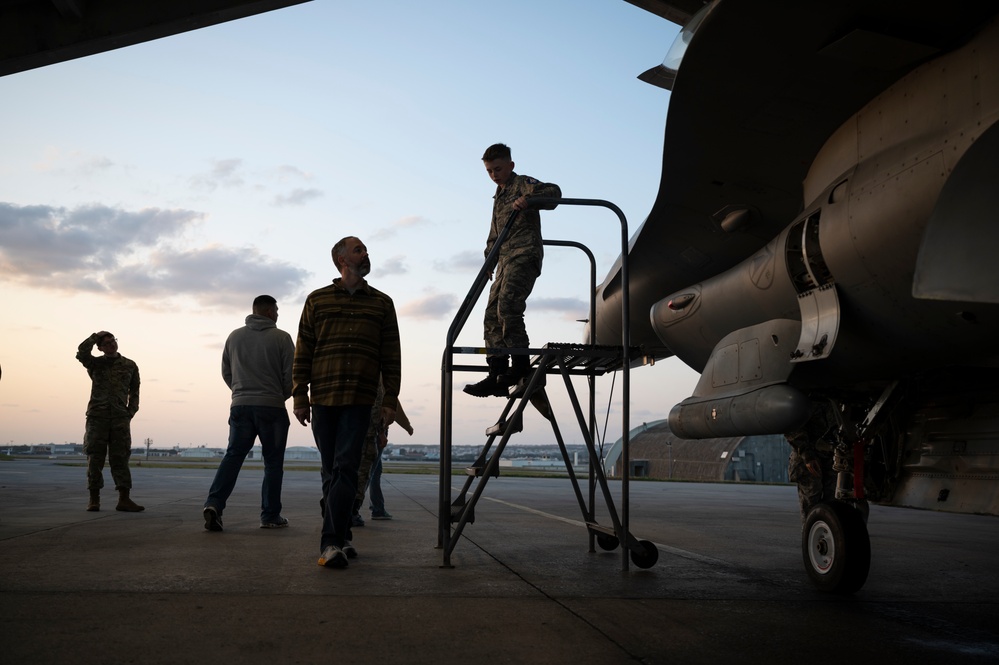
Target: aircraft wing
x,y
760,87
36,33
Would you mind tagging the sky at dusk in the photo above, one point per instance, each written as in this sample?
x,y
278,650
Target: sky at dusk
x,y
155,190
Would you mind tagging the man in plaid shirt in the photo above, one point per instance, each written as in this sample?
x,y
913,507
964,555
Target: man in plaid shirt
x,y
348,335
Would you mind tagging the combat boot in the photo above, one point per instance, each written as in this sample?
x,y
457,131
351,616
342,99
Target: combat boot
x,y
490,386
127,505
521,367
94,504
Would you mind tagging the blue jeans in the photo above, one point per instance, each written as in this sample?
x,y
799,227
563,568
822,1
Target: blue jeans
x,y
375,487
246,423
339,433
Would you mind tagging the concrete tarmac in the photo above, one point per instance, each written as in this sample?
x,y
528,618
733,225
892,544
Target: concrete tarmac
x,y
729,586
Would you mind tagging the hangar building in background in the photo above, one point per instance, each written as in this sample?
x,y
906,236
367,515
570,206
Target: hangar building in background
x,y
657,453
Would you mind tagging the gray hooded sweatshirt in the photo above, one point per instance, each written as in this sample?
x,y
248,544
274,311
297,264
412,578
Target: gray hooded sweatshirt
x,y
256,363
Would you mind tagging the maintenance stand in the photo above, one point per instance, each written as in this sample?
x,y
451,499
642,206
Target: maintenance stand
x,y
566,360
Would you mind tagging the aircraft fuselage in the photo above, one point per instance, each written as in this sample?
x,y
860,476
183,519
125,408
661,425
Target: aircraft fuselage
x,y
873,190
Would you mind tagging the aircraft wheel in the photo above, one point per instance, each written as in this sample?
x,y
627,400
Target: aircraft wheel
x,y
647,557
606,542
836,547
865,509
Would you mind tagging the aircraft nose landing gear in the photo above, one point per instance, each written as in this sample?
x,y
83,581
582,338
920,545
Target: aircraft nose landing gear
x,y
820,547
836,548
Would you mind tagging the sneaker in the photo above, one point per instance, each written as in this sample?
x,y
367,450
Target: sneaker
x,y
349,550
381,516
213,521
356,520
277,523
333,557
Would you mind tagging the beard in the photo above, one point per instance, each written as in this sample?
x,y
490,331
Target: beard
x,y
363,268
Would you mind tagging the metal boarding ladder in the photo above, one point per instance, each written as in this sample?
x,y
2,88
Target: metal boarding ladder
x,y
563,359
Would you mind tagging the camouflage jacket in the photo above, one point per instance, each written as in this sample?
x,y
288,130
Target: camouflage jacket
x,y
525,235
377,423
114,391
817,437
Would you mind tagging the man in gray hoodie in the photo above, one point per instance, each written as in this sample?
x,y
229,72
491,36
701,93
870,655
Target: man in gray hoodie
x,y
256,365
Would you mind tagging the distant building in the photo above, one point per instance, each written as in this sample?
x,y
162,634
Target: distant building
x,y
655,452
155,452
309,453
410,453
544,464
201,452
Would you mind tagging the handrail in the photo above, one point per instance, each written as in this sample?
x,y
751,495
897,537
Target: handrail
x,y
625,350
447,384
590,379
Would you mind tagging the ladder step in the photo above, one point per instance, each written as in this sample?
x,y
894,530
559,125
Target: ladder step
x,y
458,508
606,536
517,390
515,424
597,528
477,471
539,399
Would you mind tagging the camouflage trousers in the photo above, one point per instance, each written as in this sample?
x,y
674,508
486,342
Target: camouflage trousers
x,y
512,284
368,455
110,439
812,490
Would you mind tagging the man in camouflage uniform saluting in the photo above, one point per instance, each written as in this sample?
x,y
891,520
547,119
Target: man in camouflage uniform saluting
x,y
114,399
518,266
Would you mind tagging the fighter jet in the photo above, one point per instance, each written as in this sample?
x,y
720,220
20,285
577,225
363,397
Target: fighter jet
x,y
826,240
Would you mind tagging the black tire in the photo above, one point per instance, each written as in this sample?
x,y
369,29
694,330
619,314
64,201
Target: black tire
x,y
608,543
647,557
836,547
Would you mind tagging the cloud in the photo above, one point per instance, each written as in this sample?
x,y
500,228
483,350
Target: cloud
x,y
40,242
231,174
224,173
470,260
125,254
297,197
287,171
77,164
434,306
572,309
393,266
412,221
94,165
215,275
404,223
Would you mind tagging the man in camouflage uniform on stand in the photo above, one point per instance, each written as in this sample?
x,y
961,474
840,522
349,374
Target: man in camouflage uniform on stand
x,y
114,399
811,462
518,266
